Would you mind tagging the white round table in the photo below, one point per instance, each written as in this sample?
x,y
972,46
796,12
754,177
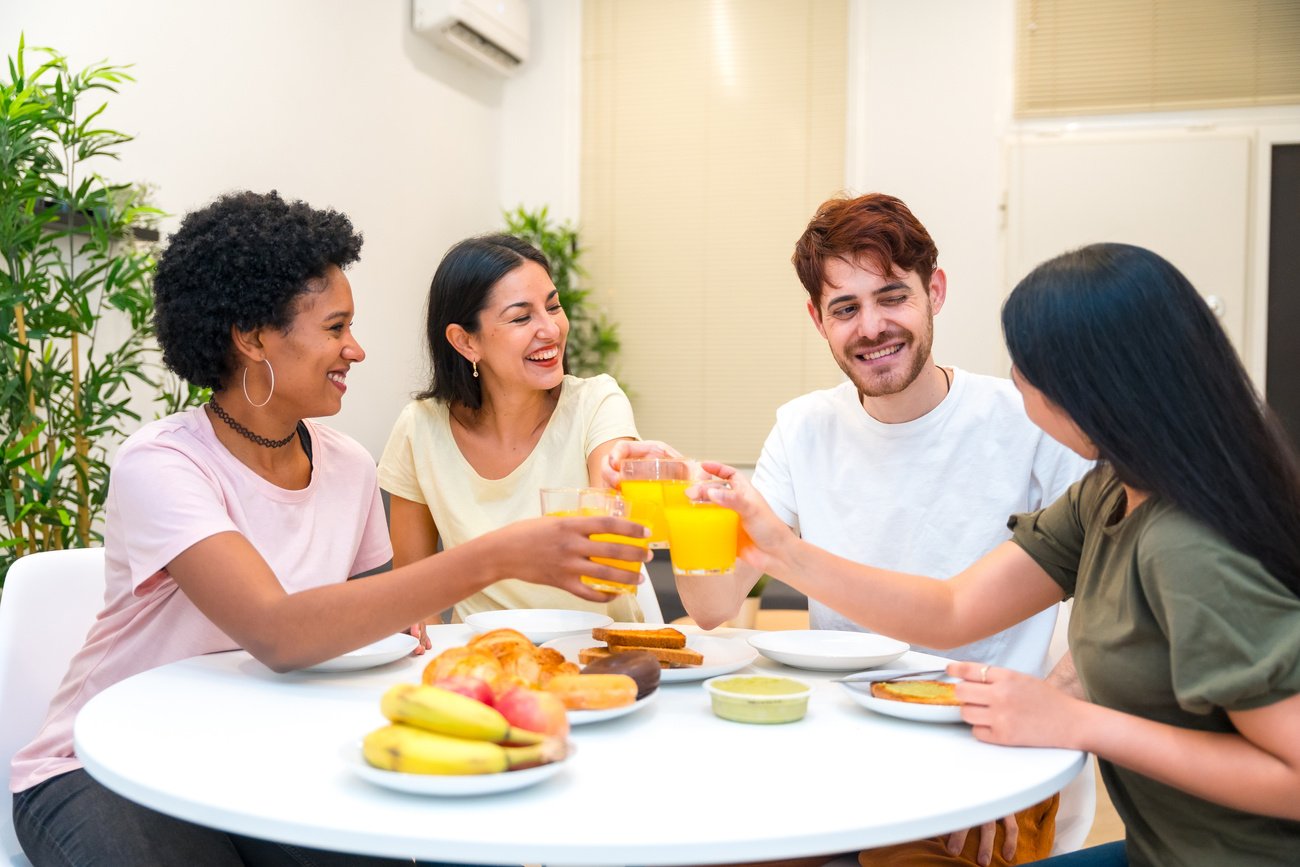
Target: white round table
x,y
223,741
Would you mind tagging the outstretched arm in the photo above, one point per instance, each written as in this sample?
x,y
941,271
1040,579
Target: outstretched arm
x,y
1001,589
232,585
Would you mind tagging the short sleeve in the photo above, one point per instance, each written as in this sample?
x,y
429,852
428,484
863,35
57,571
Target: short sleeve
x,y
163,503
375,549
1054,535
609,414
772,478
397,473
1233,629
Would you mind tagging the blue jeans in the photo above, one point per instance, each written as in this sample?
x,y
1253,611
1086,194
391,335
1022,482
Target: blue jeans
x,y
1105,855
72,821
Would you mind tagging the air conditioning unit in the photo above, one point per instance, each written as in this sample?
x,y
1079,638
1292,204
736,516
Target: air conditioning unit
x,y
491,33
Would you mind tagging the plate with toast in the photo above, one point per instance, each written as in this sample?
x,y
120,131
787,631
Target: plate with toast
x,y
681,657
919,700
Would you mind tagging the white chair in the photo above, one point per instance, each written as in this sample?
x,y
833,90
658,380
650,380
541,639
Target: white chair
x,y
49,602
1079,798
646,598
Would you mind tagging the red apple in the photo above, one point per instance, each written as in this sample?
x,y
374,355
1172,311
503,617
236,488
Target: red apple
x,y
533,711
477,689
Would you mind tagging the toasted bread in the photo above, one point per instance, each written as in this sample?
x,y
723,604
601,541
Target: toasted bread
x,y
917,691
669,657
666,637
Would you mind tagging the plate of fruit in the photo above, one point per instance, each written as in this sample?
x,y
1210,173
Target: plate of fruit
x,y
442,742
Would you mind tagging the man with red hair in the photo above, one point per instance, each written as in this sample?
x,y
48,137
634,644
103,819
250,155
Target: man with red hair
x,y
908,465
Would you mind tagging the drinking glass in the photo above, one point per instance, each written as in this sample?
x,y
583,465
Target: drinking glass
x,y
647,484
568,502
702,534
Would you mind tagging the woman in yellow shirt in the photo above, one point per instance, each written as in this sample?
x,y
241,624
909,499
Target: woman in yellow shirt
x,y
500,418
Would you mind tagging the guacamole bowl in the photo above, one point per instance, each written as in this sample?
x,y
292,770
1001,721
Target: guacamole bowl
x,y
758,698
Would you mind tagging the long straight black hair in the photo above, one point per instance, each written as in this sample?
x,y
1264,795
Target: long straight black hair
x,y
1117,337
458,293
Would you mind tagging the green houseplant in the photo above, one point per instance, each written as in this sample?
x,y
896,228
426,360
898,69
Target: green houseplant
x,y
593,339
75,303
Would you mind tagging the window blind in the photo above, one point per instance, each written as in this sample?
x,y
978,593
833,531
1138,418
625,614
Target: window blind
x,y
711,131
1118,56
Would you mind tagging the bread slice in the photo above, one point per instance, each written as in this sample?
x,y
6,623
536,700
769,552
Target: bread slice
x,y
666,637
917,691
669,657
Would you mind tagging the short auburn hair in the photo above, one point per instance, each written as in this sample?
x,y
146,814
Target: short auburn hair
x,y
877,227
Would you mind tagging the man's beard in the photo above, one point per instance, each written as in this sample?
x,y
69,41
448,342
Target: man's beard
x,y
895,381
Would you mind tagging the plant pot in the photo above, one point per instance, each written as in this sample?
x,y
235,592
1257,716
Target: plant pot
x,y
747,616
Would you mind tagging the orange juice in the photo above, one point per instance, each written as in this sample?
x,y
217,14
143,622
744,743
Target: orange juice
x,y
629,565
646,497
703,537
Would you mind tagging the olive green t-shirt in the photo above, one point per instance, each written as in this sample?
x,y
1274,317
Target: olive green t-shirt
x,y
1172,624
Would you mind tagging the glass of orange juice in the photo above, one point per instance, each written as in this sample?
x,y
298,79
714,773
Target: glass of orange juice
x,y
647,484
702,534
568,502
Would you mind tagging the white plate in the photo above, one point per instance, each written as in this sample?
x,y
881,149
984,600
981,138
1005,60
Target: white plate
x,y
828,649
931,713
539,624
582,717
721,655
454,785
383,651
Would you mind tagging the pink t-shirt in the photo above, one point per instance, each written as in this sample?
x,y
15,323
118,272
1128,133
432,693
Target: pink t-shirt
x,y
172,485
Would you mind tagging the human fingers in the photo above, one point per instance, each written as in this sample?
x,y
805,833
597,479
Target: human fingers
x,y
988,833
1011,838
956,842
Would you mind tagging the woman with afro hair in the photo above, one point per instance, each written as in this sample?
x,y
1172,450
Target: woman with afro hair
x,y
237,524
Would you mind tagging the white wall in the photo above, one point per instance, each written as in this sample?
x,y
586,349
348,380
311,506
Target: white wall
x,y
336,102
930,99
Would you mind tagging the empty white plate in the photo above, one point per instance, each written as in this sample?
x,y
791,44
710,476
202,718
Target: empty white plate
x,y
382,652
828,649
539,624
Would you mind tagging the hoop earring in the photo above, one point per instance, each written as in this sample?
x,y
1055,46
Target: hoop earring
x,y
268,394
475,363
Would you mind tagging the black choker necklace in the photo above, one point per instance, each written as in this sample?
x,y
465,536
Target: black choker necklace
x,y
947,380
245,432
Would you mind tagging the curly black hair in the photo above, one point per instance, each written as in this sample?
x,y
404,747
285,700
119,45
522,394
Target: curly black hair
x,y
241,261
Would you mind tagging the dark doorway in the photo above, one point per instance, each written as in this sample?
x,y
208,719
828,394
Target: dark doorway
x,y
1283,372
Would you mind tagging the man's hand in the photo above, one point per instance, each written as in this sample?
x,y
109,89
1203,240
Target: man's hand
x,y
626,450
988,836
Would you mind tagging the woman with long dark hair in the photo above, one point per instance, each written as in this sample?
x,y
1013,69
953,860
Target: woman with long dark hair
x,y
1181,550
500,418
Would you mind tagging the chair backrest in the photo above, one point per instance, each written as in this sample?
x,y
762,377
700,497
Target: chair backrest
x,y
49,602
646,598
1078,799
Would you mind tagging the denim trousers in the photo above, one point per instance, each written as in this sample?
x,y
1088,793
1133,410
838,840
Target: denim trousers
x,y
73,821
1105,855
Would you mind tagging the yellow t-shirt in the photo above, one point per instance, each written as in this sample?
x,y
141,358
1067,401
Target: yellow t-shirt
x,y
422,463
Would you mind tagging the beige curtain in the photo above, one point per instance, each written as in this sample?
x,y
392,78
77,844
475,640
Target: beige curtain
x,y
1114,56
711,131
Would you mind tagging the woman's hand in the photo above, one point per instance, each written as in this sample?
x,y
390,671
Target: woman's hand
x,y
631,450
1014,709
763,535
557,551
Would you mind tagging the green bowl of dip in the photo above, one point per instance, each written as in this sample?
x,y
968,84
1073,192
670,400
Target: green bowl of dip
x,y
758,698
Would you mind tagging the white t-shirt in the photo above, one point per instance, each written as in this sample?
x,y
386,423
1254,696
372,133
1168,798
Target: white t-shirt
x,y
929,496
423,464
174,484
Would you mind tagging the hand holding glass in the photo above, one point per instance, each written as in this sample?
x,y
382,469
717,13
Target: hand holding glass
x,y
570,502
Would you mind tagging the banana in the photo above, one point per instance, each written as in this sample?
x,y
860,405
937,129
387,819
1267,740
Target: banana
x,y
445,712
417,751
